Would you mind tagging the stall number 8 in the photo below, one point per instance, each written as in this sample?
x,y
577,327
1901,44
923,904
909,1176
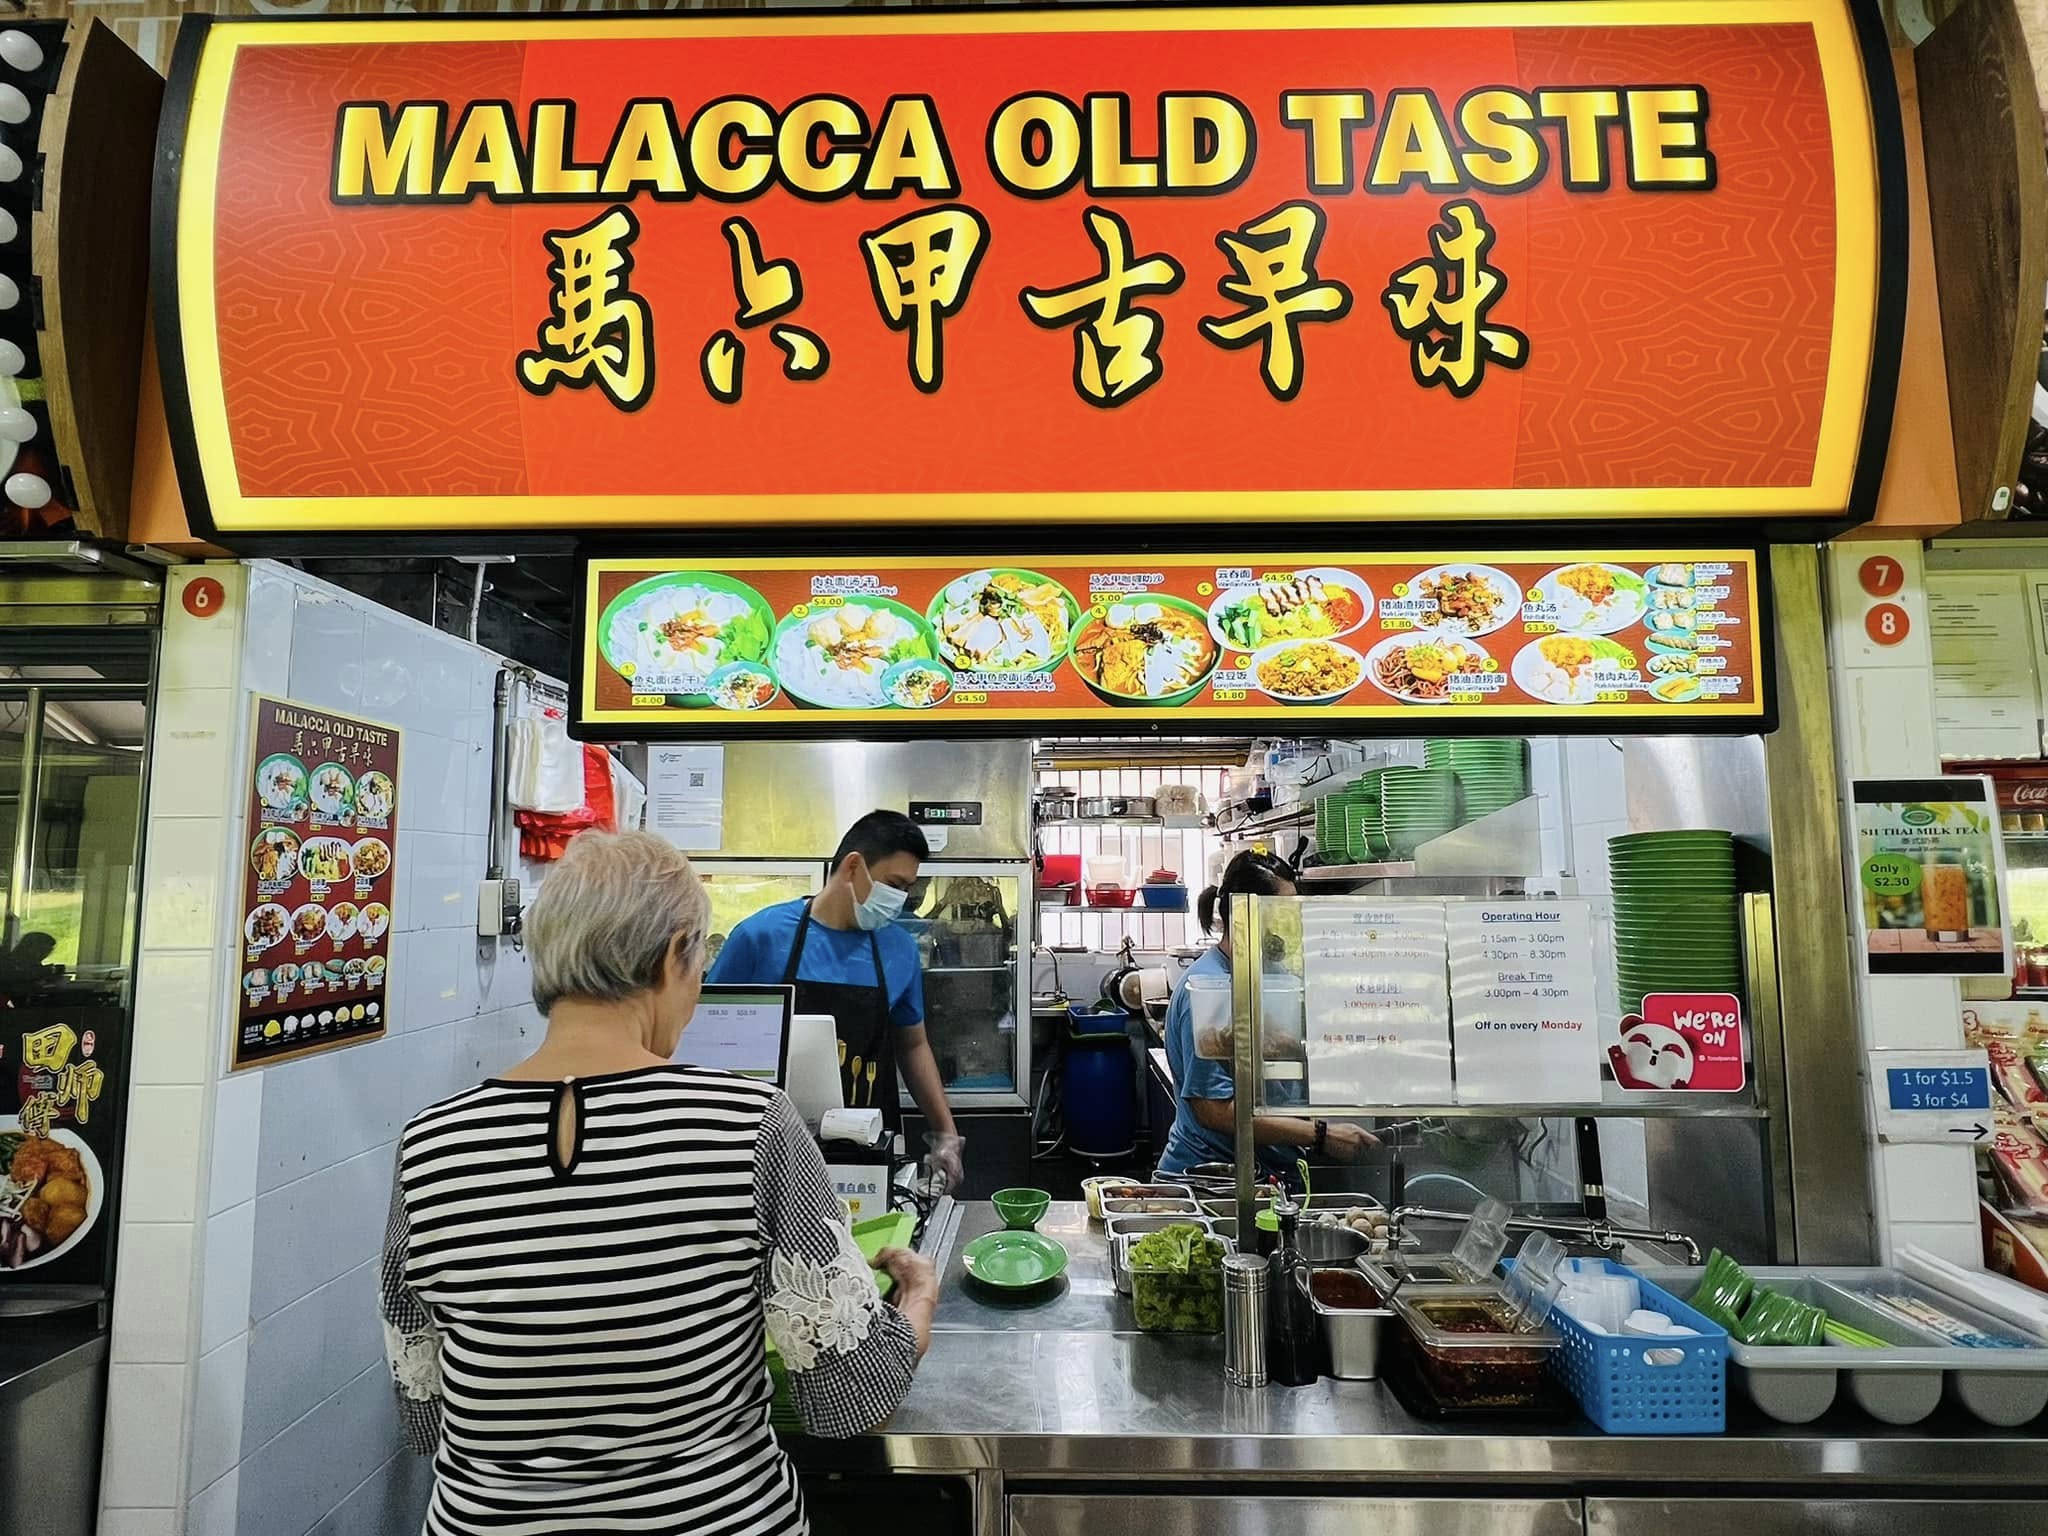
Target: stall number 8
x,y
1886,624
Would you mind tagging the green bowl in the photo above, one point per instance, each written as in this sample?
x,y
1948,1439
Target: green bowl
x,y
1174,700
709,580
1067,602
1020,1208
1014,1261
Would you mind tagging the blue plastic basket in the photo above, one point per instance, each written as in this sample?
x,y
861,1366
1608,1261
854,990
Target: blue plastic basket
x,y
1623,1393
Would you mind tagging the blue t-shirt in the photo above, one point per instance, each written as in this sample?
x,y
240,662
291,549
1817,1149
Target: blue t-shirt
x,y
756,953
1195,1077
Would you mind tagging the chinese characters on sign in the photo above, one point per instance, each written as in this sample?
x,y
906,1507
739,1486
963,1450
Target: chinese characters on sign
x,y
319,889
59,1136
913,267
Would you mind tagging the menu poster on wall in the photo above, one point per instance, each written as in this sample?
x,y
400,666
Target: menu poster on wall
x,y
59,1146
319,882
1377,1010
1666,640
1931,869
1525,1015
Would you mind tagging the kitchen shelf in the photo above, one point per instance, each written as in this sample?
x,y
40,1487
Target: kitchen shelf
x,y
965,970
1326,874
1294,818
1607,1109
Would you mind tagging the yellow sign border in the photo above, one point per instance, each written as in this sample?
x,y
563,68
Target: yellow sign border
x,y
1851,347
658,721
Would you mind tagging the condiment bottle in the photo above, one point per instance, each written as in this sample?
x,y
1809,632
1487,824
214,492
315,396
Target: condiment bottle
x,y
1293,1339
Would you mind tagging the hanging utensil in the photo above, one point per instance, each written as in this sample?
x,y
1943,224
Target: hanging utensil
x,y
871,1085
853,1085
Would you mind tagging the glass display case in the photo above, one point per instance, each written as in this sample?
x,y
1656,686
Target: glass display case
x,y
965,918
741,887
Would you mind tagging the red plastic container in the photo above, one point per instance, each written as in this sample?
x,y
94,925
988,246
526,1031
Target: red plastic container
x,y
1110,896
1061,869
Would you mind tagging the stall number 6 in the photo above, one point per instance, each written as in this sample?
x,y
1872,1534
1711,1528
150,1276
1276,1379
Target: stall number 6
x,y
203,597
1886,624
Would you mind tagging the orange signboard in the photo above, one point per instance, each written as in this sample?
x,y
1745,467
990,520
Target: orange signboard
x,y
1594,259
925,645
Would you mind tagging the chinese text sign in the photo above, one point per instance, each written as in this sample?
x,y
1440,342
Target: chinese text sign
x,y
1590,259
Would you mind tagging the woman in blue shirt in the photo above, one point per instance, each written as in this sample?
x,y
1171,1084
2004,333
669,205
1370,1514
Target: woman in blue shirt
x,y
1203,1123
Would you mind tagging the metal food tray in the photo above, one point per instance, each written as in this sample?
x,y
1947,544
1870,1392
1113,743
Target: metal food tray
x,y
1899,1385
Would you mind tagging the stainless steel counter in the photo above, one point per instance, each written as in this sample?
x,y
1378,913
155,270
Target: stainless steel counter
x,y
1059,1386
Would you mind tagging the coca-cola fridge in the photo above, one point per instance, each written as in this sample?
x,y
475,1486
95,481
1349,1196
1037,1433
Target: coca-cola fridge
x,y
2023,815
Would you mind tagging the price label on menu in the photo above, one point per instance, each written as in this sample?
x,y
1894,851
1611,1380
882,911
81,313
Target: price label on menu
x,y
1376,1009
1525,1017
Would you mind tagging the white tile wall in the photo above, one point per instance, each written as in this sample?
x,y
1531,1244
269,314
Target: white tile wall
x,y
145,1437
1884,721
166,1126
229,1259
249,1396
151,1319
213,1510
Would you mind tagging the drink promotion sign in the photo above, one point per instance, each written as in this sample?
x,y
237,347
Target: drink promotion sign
x,y
1633,260
1931,870
319,883
917,645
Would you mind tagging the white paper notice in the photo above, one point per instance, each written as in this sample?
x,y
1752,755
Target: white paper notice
x,y
1985,700
1525,1012
1377,1004
686,796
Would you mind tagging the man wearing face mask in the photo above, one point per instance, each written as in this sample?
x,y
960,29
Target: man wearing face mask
x,y
844,955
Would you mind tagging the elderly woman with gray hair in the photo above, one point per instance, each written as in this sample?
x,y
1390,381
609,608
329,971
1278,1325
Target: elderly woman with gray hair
x,y
586,1254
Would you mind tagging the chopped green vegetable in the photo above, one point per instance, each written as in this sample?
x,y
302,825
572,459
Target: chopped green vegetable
x,y
1177,1280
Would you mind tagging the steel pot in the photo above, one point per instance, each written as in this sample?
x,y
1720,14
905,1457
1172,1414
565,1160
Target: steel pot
x,y
1113,807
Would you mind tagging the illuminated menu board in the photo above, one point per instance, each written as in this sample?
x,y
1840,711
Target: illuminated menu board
x,y
1668,640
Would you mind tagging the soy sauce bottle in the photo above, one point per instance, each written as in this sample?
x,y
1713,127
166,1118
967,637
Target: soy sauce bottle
x,y
1294,1341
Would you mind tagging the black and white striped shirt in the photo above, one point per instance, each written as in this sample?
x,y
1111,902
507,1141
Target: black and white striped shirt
x,y
581,1345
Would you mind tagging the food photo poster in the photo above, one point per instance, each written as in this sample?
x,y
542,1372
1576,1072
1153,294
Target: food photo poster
x,y
1930,869
319,882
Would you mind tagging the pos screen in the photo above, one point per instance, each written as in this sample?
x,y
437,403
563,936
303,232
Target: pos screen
x,y
740,1029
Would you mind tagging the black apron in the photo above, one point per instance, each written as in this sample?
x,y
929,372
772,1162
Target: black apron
x,y
860,1017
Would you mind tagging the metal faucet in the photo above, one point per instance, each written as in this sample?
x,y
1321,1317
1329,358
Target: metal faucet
x,y
1603,1235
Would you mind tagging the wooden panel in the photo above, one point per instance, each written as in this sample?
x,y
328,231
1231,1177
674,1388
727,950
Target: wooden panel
x,y
91,255
1988,199
1918,498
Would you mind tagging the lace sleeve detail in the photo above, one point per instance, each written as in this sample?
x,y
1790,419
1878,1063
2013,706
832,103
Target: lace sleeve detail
x,y
850,1354
412,1343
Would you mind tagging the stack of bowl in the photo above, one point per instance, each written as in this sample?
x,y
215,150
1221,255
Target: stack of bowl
x,y
1675,914
1492,773
1416,804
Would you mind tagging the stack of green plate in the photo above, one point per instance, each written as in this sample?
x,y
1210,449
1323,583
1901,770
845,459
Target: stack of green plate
x,y
1416,804
1675,914
1362,835
1492,773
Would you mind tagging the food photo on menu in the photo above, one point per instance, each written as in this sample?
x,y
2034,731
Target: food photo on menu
x,y
1371,636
